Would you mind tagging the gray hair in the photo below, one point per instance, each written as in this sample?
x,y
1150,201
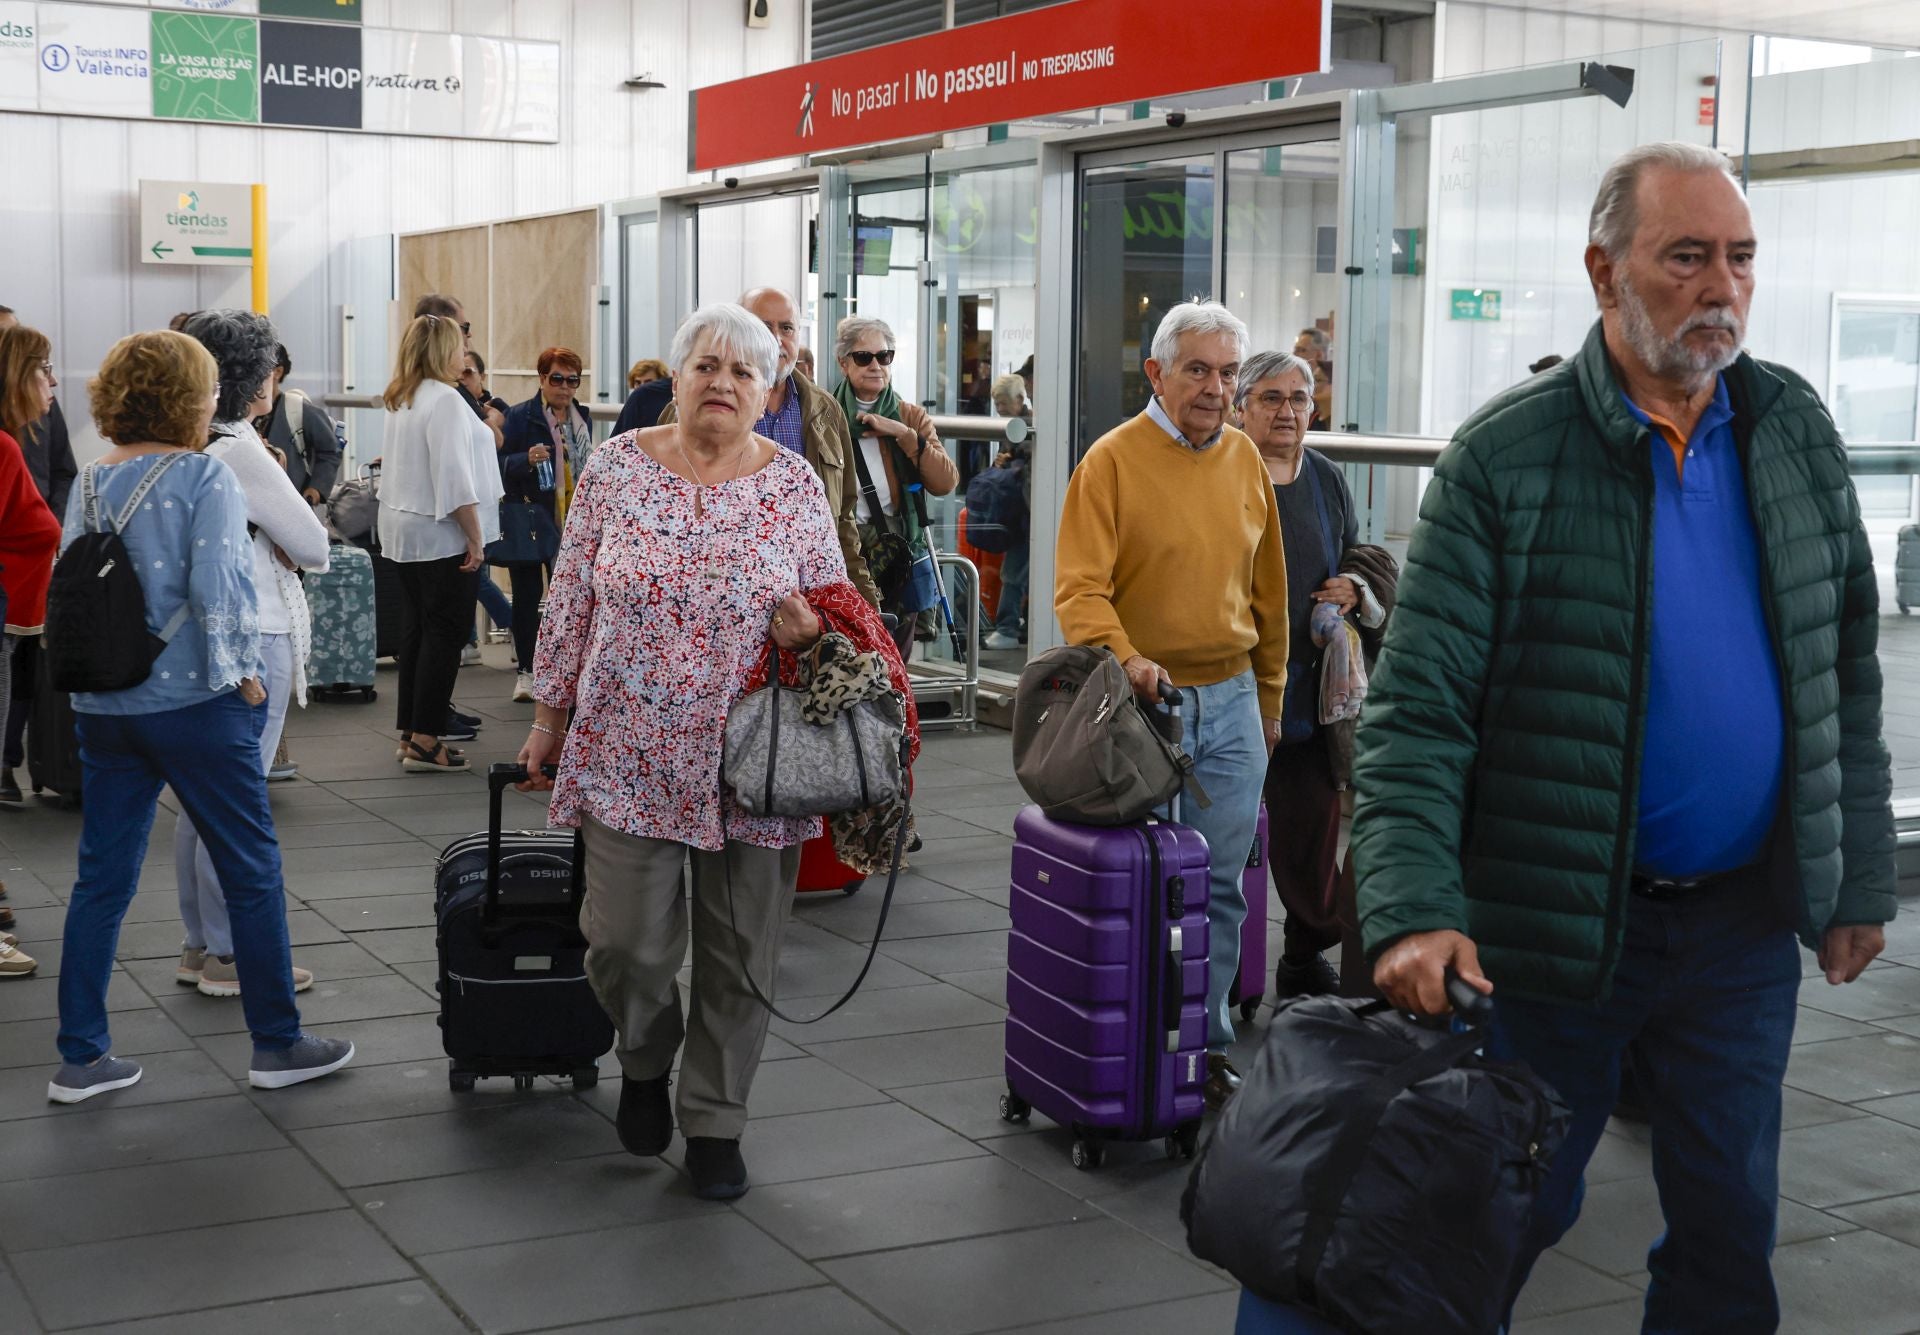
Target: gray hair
x,y
734,330
853,329
1009,394
1616,213
245,346
1194,317
1263,366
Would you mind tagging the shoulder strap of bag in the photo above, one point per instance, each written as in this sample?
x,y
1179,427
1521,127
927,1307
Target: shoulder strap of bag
x,y
1334,1176
874,512
152,476
297,419
89,501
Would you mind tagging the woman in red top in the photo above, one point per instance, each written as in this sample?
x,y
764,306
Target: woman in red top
x,y
29,534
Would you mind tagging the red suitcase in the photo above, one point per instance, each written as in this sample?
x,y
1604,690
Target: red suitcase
x,y
821,870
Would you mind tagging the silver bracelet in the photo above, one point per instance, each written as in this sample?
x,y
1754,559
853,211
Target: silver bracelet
x,y
541,727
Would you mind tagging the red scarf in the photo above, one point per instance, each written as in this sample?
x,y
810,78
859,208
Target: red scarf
x,y
841,608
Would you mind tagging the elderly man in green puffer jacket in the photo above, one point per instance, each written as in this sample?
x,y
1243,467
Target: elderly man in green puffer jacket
x,y
1623,744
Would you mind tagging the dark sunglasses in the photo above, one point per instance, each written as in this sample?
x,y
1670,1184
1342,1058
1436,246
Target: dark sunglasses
x,y
869,358
556,379
466,327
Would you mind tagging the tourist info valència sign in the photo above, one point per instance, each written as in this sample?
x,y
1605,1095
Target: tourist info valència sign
x,y
213,61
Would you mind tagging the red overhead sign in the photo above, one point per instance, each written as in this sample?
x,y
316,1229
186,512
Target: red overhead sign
x,y
1085,53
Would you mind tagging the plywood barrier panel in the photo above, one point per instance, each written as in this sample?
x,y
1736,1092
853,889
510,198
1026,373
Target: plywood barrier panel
x,y
543,272
515,389
453,263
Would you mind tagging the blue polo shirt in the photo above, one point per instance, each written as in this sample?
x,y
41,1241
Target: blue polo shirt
x,y
1715,748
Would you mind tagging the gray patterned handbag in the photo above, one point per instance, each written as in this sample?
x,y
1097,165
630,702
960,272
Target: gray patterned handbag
x,y
778,764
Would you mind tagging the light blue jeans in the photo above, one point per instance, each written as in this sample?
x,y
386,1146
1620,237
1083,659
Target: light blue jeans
x,y
1222,734
203,909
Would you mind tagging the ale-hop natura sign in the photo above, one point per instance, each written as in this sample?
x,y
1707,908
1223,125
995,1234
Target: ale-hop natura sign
x,y
238,62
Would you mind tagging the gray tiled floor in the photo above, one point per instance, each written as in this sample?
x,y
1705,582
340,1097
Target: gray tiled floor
x,y
889,1196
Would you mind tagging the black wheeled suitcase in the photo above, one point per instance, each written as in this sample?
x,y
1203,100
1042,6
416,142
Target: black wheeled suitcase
x,y
53,737
514,996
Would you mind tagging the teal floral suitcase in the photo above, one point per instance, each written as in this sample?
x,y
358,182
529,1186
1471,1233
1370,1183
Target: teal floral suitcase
x,y
340,659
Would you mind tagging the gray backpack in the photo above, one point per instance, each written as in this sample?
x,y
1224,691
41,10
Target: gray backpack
x,y
1083,747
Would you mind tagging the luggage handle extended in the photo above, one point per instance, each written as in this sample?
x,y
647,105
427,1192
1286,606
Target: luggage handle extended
x,y
500,777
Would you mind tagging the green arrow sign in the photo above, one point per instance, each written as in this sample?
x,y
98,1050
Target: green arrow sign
x,y
240,252
160,250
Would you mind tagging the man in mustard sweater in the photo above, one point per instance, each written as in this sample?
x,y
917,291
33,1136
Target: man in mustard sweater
x,y
1170,556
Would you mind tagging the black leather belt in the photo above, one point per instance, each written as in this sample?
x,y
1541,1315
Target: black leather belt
x,y
1664,890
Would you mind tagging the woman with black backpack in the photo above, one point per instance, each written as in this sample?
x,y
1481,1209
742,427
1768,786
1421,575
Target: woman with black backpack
x,y
184,709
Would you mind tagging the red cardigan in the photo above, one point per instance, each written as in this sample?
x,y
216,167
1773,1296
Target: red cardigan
x,y
29,540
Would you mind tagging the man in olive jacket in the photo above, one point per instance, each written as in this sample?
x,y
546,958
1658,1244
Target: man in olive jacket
x,y
1623,744
804,418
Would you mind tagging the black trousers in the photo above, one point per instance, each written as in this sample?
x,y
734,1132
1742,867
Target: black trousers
x,y
529,584
436,613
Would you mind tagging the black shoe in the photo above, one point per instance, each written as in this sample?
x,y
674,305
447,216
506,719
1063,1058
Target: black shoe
x,y
1223,1082
718,1171
470,720
10,790
456,731
1310,977
645,1119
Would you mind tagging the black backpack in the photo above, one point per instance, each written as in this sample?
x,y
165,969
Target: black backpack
x,y
96,636
997,508
1375,1171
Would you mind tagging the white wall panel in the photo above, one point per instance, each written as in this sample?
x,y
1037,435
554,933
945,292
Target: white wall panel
x,y
69,264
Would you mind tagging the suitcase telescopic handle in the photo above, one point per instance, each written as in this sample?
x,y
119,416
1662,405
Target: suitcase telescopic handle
x,y
1473,1006
500,777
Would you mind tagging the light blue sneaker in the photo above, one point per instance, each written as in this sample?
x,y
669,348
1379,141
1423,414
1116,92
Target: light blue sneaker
x,y
74,1083
308,1059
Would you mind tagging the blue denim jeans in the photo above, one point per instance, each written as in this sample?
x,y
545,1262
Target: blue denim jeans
x,y
1705,992
1013,588
210,755
1222,734
203,907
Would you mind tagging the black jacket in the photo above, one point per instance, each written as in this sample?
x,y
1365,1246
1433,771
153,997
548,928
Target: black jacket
x,y
644,406
49,456
526,427
319,467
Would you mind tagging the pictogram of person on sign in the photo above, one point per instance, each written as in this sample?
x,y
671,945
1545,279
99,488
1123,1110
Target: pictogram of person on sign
x,y
806,111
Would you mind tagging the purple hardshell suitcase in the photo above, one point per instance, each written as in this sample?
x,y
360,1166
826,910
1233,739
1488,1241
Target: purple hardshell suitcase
x,y
1107,981
1251,985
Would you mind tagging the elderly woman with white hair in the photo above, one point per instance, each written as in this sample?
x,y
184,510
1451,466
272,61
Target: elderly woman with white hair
x,y
688,545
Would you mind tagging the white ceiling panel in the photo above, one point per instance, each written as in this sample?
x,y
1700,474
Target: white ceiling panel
x,y
1893,23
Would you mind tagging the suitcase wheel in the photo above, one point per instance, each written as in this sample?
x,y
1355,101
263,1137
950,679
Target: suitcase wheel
x,y
586,1077
460,1082
853,889
1183,1140
1247,1009
1087,1155
1013,1108
1902,607
523,1082
368,695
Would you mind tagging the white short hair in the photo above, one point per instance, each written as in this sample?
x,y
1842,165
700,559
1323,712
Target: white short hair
x,y
1616,212
736,330
1196,317
1263,366
856,327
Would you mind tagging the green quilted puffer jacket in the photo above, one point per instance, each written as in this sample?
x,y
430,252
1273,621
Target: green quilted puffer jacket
x,y
1497,764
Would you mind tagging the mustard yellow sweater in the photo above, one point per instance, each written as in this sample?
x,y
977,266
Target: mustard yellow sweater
x,y
1176,554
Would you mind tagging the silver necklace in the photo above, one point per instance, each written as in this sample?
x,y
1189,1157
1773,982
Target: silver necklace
x,y
699,511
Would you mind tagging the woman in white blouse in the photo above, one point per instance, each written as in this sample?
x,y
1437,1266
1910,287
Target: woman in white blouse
x,y
286,537
439,508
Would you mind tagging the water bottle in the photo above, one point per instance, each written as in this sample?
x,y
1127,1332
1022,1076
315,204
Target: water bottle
x,y
340,435
543,474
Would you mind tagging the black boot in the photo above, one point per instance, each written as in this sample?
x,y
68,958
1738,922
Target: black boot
x,y
1308,976
645,1119
718,1171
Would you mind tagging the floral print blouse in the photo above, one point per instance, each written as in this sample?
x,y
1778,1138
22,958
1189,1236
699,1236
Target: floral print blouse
x,y
656,617
189,542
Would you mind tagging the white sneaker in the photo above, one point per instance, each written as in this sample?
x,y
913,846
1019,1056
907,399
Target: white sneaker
x,y
523,688
470,655
998,641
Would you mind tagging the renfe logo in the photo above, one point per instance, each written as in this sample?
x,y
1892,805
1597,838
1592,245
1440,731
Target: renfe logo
x,y
311,76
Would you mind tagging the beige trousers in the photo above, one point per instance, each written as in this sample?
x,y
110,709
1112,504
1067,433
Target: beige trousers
x,y
634,917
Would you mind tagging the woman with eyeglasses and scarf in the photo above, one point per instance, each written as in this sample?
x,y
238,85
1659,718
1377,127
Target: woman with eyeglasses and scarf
x,y
551,428
895,446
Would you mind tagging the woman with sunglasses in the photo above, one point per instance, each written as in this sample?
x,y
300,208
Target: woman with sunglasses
x,y
551,429
896,447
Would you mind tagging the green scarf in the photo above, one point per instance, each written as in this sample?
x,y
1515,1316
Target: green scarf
x,y
888,405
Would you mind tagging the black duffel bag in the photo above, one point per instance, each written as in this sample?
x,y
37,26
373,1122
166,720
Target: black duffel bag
x,y
1376,1171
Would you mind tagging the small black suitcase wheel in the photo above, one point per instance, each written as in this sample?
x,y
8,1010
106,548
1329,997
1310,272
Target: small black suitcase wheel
x,y
1087,1155
1248,1008
523,1082
586,1077
1187,1135
1013,1108
853,889
368,695
460,1082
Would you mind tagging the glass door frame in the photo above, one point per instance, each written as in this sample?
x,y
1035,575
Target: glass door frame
x,y
618,267
1896,303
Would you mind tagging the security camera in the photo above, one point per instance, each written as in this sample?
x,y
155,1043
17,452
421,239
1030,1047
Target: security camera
x,y
1176,119
731,183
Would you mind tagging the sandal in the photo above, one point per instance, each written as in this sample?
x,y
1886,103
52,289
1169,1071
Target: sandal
x,y
434,761
399,753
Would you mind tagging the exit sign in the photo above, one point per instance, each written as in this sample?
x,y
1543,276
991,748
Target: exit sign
x,y
1475,303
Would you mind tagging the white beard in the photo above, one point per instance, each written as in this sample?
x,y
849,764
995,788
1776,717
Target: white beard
x,y
1674,358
